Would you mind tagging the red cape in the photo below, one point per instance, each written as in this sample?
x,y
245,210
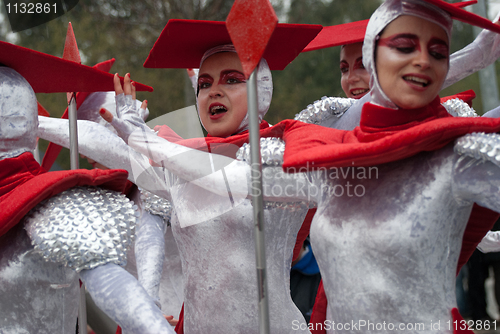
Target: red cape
x,y
386,135
227,146
24,184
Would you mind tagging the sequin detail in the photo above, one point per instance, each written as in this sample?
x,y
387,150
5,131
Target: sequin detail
x,y
271,151
459,108
324,109
156,205
83,227
480,146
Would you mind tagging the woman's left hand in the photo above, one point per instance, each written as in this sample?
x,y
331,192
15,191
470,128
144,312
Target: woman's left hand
x,y
128,117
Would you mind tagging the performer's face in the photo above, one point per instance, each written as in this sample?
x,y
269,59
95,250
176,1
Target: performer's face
x,y
222,97
355,80
412,61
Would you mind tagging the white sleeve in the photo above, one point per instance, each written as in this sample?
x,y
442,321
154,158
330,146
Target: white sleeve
x,y
102,145
479,54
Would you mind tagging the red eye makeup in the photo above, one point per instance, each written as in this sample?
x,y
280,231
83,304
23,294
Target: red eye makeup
x,y
231,76
403,42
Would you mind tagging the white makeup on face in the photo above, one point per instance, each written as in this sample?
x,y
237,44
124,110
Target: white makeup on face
x,y
222,97
412,61
355,80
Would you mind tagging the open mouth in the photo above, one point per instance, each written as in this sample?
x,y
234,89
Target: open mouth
x,y
359,91
218,109
416,80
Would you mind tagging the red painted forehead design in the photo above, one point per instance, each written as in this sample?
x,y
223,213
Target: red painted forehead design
x,y
407,40
225,75
357,63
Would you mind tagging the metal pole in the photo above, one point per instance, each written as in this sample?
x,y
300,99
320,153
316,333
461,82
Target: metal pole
x,y
82,312
73,134
257,202
74,162
36,154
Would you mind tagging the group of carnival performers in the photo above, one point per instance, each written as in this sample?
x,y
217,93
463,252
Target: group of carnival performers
x,y
429,176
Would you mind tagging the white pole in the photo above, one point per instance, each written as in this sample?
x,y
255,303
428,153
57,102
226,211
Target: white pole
x,y
258,203
74,162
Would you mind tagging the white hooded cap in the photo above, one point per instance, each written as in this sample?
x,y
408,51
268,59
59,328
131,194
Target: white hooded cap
x,y
18,114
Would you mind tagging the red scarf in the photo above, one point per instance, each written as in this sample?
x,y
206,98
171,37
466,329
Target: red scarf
x,y
384,135
24,184
227,146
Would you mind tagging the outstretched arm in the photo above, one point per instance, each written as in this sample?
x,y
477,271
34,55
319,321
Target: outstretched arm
x,y
102,145
216,173
479,54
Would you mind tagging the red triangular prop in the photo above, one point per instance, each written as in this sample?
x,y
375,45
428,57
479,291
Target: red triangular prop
x,y
70,48
250,24
182,43
71,52
49,74
462,15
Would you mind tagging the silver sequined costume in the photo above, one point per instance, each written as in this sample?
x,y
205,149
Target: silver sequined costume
x,y
83,228
40,296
